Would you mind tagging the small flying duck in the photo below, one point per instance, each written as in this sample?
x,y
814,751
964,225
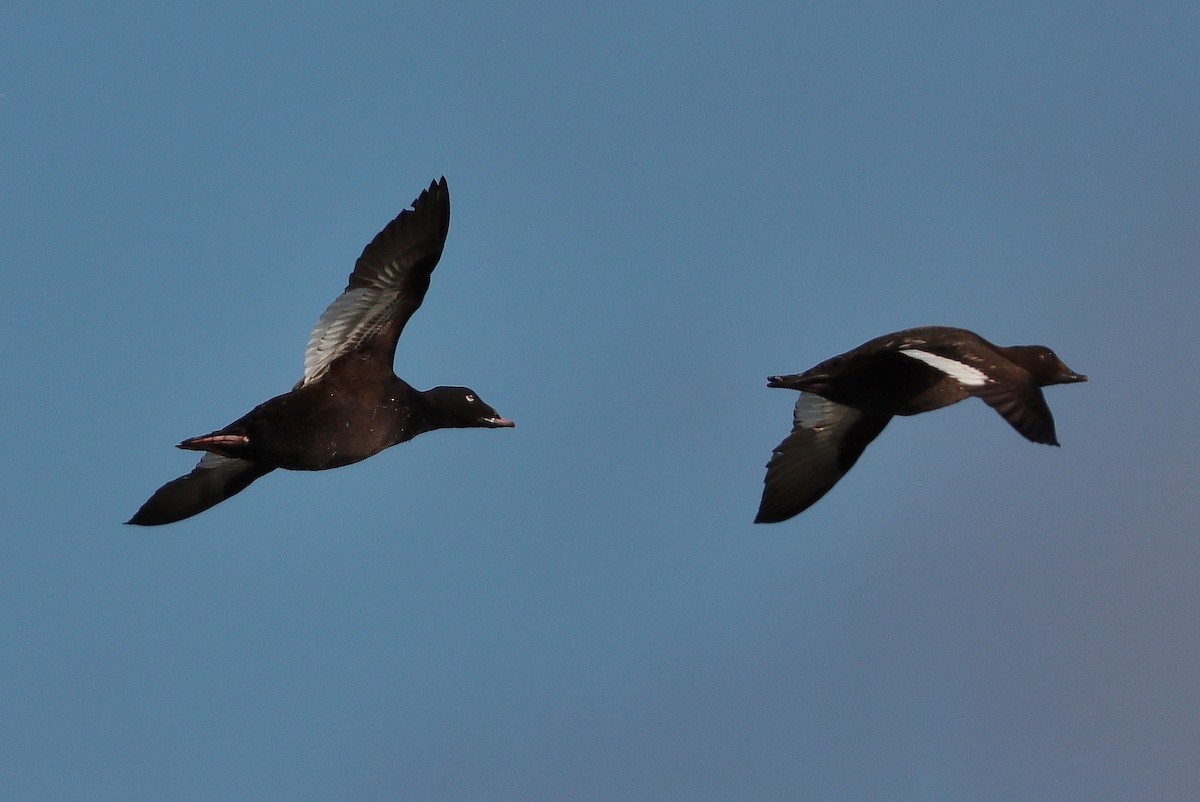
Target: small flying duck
x,y
846,401
350,405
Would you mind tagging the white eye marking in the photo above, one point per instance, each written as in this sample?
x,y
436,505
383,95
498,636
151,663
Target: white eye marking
x,y
470,398
964,374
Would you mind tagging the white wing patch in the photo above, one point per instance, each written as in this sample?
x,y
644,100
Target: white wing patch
x,y
814,412
221,466
963,373
352,318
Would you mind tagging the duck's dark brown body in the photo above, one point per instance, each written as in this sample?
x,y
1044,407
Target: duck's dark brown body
x,y
888,384
341,419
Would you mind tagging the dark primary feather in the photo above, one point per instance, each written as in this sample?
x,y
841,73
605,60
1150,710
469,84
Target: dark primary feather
x,y
826,440
213,480
1024,406
403,255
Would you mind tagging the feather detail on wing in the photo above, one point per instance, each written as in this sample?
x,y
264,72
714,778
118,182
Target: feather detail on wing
x,y
354,318
387,286
214,479
1024,407
826,440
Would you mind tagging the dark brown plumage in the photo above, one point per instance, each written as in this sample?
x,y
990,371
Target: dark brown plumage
x,y
349,405
846,401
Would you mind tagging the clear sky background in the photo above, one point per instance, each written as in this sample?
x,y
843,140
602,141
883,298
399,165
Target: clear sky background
x,y
654,208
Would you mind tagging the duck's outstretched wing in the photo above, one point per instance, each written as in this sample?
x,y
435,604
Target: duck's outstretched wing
x,y
213,480
826,440
1024,406
387,286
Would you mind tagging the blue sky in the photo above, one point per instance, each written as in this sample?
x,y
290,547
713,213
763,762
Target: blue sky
x,y
653,210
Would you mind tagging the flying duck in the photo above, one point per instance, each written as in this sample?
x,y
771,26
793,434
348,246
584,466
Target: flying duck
x,y
350,405
846,401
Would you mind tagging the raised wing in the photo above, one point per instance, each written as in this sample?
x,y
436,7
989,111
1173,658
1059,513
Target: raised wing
x,y
826,440
387,286
214,479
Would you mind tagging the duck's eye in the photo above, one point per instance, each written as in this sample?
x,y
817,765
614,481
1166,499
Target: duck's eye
x,y
470,398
